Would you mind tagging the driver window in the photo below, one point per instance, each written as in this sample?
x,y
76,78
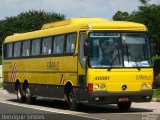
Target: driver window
x,y
110,52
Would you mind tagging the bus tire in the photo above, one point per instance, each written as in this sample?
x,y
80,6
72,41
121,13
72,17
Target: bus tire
x,y
21,98
29,98
124,106
71,101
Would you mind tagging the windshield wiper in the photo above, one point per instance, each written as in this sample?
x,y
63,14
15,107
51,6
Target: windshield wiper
x,y
109,68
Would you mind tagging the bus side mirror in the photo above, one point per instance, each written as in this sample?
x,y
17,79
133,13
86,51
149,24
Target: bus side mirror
x,y
86,48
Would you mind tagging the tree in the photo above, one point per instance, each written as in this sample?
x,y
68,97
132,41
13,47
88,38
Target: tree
x,y
121,16
148,15
26,22
145,2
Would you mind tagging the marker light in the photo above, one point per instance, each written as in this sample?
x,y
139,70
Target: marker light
x,y
89,28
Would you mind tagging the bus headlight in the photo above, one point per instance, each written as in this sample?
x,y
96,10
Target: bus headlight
x,y
146,86
99,86
149,86
96,86
102,86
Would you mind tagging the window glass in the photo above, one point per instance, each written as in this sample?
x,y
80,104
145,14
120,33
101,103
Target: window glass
x,y
82,58
114,49
36,47
46,45
17,49
135,50
9,49
26,48
105,50
71,43
58,45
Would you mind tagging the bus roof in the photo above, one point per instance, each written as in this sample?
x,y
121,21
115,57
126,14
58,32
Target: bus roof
x,y
77,24
73,21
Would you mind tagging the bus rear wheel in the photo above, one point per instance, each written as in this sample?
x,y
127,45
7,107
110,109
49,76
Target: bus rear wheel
x,y
21,98
71,101
124,106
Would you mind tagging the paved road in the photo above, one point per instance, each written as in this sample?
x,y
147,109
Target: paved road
x,y
56,110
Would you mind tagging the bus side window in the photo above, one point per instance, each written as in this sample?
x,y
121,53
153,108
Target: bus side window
x,y
9,50
58,45
71,43
36,47
46,45
26,48
17,49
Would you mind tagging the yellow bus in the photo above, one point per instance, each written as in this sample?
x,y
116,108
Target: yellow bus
x,y
80,60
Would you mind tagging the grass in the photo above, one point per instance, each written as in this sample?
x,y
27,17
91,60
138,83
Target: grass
x,y
156,93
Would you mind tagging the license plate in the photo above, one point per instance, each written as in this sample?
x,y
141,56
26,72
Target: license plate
x,y
123,99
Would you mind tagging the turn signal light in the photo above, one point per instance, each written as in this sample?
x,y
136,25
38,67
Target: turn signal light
x,y
90,87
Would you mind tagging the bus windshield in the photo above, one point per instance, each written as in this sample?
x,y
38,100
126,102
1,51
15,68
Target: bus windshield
x,y
119,50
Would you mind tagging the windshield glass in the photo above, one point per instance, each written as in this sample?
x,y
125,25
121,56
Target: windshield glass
x,y
119,50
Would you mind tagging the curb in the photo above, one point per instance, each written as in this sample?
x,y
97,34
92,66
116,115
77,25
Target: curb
x,y
155,99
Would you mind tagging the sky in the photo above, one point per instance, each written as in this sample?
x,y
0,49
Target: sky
x,y
70,8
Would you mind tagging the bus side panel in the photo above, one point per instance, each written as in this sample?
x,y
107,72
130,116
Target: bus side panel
x,y
45,76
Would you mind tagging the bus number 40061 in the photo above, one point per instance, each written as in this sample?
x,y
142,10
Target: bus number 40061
x,y
102,77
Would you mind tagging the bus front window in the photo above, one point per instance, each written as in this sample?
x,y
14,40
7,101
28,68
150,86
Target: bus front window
x,y
105,50
118,50
135,50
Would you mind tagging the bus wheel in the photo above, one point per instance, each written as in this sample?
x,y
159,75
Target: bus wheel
x,y
21,98
29,98
124,106
71,101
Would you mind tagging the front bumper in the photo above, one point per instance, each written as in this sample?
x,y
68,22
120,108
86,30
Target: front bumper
x,y
101,97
